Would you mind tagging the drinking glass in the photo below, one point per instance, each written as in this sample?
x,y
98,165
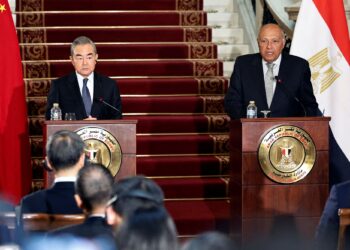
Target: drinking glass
x,y
70,117
266,113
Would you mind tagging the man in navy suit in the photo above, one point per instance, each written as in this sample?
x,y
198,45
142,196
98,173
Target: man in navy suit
x,y
68,91
65,156
93,190
292,93
327,230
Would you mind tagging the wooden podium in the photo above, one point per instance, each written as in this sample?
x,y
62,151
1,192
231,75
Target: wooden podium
x,y
124,131
258,202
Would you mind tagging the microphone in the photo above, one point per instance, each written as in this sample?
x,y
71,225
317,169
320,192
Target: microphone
x,y
100,99
279,81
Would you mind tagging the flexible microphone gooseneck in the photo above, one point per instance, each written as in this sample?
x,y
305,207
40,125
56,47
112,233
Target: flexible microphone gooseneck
x,y
288,93
100,99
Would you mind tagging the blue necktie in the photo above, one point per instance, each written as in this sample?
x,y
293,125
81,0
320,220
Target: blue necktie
x,y
86,97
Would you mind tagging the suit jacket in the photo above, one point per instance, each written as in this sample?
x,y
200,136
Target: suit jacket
x,y
327,230
92,227
247,83
66,92
59,199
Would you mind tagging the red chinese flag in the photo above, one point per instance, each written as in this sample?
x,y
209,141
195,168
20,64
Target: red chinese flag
x,y
15,171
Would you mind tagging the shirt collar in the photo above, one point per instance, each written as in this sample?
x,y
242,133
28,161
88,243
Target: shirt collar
x,y
65,179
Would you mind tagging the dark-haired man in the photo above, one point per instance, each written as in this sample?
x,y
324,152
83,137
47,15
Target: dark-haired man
x,y
93,190
84,92
65,156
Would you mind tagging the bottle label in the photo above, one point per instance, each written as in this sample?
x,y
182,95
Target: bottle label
x,y
251,113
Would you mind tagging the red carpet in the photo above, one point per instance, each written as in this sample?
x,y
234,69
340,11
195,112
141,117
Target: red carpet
x,y
116,34
126,51
117,18
160,53
50,5
193,68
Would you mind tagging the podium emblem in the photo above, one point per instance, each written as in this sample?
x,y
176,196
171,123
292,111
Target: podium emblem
x,y
101,147
286,154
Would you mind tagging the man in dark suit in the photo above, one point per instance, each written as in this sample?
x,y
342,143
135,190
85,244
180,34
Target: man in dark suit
x,y
93,191
291,92
65,156
327,230
85,92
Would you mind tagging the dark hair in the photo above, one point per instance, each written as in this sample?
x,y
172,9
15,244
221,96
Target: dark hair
x,y
82,40
147,229
135,192
94,185
64,149
210,240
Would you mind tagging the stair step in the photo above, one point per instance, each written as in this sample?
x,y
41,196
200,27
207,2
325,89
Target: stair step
x,y
193,68
151,105
182,165
148,86
193,187
182,144
113,18
116,34
181,123
194,217
178,104
127,51
118,5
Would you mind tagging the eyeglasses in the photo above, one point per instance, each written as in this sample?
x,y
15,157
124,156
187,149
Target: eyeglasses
x,y
266,42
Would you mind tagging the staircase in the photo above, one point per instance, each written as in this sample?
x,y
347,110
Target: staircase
x,y
171,60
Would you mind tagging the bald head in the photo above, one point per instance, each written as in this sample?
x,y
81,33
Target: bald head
x,y
271,42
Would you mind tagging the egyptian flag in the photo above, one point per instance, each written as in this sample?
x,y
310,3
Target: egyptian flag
x,y
15,171
321,36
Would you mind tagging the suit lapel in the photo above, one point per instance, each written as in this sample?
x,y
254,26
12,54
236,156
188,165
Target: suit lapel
x,y
259,82
97,94
282,73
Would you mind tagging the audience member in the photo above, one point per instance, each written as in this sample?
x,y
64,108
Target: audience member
x,y
327,230
210,240
65,156
84,92
147,228
131,193
93,190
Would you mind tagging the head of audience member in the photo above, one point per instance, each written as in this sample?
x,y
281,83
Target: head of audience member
x,y
147,228
65,153
131,193
210,240
93,188
271,41
83,55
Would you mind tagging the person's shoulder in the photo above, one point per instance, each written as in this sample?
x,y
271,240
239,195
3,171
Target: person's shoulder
x,y
31,202
103,78
342,185
248,57
293,58
65,78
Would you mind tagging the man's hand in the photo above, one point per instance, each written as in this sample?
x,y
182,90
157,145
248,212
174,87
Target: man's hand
x,y
90,118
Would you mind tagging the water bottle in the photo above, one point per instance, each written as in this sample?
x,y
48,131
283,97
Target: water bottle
x,y
56,112
252,110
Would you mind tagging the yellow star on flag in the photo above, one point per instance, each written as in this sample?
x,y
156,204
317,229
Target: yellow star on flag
x,y
2,8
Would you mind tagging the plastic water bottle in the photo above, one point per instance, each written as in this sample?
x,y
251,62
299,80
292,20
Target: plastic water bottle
x,y
252,110
56,112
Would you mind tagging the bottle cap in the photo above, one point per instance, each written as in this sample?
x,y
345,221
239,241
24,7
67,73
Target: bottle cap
x,y
55,104
251,102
